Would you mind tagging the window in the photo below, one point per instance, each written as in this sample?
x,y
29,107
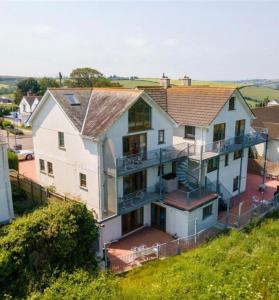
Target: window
x,y
239,131
232,103
212,164
161,136
219,132
42,165
207,211
72,99
61,141
24,108
49,168
139,116
159,170
134,182
237,154
226,160
82,180
190,132
235,183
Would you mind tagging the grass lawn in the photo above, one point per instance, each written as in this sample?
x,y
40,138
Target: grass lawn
x,y
259,93
241,265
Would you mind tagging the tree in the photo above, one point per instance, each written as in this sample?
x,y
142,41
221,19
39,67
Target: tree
x,y
46,83
87,77
24,86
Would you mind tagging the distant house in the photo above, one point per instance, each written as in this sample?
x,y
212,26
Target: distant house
x,y
26,107
6,204
4,100
273,102
268,117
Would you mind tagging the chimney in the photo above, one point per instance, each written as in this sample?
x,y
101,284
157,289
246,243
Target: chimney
x,y
29,93
186,81
165,81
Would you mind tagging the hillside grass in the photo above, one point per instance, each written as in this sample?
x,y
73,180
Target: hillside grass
x,y
241,265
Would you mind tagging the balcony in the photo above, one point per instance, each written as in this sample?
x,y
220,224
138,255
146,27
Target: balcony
x,y
256,136
137,162
137,199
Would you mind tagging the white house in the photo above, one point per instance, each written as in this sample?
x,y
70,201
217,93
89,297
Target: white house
x,y
6,204
132,158
268,117
27,105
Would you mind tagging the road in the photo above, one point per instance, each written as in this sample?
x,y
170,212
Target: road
x,y
25,140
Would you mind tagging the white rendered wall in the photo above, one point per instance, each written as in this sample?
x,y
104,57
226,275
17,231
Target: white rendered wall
x,y
6,204
80,156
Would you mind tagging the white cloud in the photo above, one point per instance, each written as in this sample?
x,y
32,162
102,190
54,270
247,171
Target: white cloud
x,y
135,42
170,42
43,29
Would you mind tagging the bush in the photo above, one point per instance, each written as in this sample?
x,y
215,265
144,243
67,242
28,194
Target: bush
x,y
7,109
13,160
37,247
6,123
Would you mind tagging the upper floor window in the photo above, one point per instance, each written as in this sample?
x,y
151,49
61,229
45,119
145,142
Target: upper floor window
x,y
49,168
232,103
190,132
207,211
237,154
219,132
212,164
61,140
161,136
82,180
139,116
42,165
226,160
235,183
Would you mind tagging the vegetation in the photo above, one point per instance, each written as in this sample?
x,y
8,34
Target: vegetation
x,y
238,266
87,77
39,247
6,109
46,83
13,160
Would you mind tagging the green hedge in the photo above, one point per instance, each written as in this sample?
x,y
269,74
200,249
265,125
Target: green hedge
x,y
13,160
37,247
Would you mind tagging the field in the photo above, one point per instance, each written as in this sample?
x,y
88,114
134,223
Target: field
x,y
240,265
139,82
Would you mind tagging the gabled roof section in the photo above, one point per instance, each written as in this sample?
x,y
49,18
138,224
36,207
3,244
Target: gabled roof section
x,y
31,99
157,93
76,113
105,107
267,117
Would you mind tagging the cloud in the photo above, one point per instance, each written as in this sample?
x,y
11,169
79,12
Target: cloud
x,y
170,42
135,42
43,29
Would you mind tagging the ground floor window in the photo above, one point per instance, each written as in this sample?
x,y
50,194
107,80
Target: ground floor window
x,y
42,165
226,160
207,211
235,183
49,168
132,220
237,154
212,164
82,180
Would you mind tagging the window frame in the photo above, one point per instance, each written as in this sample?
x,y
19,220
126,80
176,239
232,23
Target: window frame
x,y
207,214
82,180
50,167
227,158
42,165
191,135
61,137
161,138
232,106
219,132
212,168
237,156
235,180
140,115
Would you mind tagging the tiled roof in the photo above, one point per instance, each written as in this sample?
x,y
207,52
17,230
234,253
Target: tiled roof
x,y
98,108
157,93
31,99
194,105
268,117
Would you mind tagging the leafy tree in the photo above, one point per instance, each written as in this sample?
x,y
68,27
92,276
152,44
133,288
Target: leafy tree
x,y
46,83
87,77
24,86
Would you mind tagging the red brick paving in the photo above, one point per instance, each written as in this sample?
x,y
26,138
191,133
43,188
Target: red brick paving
x,y
27,168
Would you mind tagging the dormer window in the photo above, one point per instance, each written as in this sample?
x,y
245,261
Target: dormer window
x,y
139,116
232,103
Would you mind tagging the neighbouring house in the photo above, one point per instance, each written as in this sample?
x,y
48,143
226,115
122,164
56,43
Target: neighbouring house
x,y
27,105
6,204
160,156
273,102
268,117
4,100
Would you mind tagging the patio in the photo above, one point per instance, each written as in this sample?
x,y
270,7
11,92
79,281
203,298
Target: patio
x,y
252,191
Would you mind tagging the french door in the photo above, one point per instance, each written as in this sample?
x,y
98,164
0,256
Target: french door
x,y
239,131
135,144
132,220
158,217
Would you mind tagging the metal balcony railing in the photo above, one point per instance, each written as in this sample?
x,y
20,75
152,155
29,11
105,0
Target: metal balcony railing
x,y
137,162
138,198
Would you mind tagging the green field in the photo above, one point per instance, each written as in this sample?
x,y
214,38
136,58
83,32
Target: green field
x,y
241,265
135,83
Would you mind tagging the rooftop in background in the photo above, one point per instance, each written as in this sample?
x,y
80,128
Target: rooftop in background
x,y
31,99
268,117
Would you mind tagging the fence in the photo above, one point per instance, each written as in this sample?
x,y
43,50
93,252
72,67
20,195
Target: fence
x,y
33,190
140,255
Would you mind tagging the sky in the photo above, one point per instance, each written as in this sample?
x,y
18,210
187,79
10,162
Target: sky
x,y
223,40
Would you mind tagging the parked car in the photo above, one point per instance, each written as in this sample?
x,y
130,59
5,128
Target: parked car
x,y
24,154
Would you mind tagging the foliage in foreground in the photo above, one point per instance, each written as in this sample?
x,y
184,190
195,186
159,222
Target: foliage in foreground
x,y
13,160
39,246
243,265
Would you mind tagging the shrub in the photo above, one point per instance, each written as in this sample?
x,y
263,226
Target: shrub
x,y
6,123
39,246
13,160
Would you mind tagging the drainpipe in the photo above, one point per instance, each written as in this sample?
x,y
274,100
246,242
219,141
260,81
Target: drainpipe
x,y
161,171
265,155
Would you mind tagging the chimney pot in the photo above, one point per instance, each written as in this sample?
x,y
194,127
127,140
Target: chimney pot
x,y
165,81
186,81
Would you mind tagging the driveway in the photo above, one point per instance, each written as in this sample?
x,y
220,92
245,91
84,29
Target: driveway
x,y
27,168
